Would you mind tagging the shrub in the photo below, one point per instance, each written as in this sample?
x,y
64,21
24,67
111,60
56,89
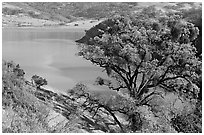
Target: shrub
x,y
38,81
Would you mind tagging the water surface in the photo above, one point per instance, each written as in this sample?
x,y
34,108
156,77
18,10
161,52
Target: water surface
x,y
50,53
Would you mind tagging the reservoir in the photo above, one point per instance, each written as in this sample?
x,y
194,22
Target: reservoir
x,y
50,53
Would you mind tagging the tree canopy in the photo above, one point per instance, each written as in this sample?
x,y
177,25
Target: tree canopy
x,y
143,58
141,54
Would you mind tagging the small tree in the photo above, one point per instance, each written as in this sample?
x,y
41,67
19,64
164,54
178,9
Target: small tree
x,y
142,55
38,81
19,72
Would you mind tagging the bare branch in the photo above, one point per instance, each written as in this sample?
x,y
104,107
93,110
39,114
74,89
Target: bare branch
x,y
166,87
124,79
173,78
142,86
163,76
143,79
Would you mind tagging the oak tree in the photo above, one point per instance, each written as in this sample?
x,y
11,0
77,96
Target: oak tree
x,y
143,56
140,57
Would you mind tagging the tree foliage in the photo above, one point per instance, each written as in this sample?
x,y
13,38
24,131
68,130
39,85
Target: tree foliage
x,y
144,55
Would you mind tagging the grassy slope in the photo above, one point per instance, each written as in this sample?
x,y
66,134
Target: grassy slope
x,y
22,111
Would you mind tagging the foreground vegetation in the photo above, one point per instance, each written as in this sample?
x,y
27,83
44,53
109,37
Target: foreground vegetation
x,y
27,108
25,112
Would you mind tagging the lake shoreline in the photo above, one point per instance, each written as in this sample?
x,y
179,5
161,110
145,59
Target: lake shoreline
x,y
77,25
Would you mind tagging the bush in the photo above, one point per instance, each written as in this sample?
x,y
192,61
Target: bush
x,y
39,81
33,14
8,11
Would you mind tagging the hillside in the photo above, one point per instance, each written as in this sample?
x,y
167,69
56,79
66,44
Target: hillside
x,y
23,14
46,14
28,109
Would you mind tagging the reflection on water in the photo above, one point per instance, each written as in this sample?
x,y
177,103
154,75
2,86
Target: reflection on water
x,y
50,53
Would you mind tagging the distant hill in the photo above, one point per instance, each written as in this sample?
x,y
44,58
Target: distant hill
x,y
60,13
68,11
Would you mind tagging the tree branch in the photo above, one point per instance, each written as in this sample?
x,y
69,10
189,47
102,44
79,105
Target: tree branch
x,y
140,90
124,79
172,78
163,76
143,79
144,100
93,103
135,75
166,87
